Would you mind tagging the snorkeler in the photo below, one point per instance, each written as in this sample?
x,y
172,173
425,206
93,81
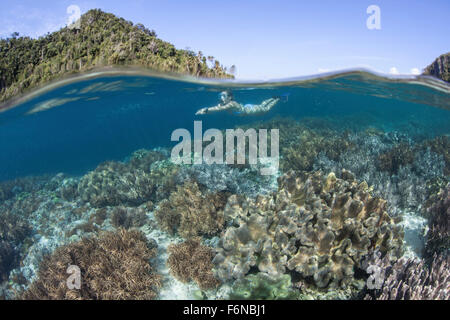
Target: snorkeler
x,y
228,103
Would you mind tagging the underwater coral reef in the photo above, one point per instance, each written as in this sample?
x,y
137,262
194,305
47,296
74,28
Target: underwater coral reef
x,y
344,203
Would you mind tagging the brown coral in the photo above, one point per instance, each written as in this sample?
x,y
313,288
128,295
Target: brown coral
x,y
128,217
191,260
192,213
318,226
398,156
113,266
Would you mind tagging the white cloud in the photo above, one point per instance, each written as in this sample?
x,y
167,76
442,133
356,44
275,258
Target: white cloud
x,y
393,70
415,71
323,70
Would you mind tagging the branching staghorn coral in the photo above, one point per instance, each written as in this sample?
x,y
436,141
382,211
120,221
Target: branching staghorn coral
x,y
191,213
438,237
301,142
391,160
9,189
407,189
229,178
128,217
191,260
113,266
302,154
441,146
133,183
13,231
408,279
317,226
143,159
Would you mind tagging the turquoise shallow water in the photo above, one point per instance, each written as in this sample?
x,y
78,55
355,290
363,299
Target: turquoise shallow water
x,y
75,126
363,180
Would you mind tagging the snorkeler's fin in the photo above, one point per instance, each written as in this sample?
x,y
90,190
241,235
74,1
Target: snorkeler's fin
x,y
285,97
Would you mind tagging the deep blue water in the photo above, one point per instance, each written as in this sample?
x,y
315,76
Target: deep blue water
x,y
141,112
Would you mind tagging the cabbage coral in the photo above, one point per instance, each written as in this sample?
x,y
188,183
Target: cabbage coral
x,y
317,226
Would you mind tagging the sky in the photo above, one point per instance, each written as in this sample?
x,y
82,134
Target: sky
x,y
270,39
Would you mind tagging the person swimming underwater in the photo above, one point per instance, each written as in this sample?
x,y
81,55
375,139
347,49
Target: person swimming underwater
x,y
228,103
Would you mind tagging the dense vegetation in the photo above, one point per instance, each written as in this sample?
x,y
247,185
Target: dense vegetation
x,y
440,68
100,39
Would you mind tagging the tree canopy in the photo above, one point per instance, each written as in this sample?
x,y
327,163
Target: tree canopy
x,y
100,39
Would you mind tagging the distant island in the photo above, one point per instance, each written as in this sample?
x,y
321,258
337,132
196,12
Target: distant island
x,y
440,68
99,39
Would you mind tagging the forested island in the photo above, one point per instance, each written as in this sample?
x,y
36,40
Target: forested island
x,y
98,39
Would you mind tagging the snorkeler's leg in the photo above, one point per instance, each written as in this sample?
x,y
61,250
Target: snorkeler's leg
x,y
266,105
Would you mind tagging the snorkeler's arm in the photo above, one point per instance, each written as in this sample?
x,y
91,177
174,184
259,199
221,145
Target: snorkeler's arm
x,y
202,111
219,107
